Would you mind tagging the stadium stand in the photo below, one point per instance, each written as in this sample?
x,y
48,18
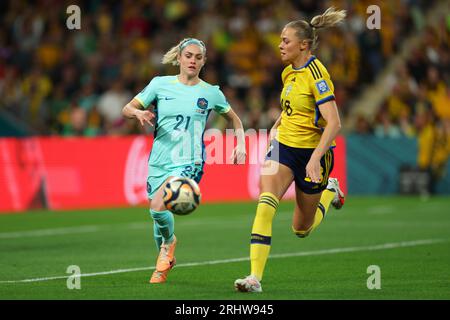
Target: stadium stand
x,y
74,83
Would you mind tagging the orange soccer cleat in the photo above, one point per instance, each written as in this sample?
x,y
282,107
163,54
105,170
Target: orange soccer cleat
x,y
166,261
161,276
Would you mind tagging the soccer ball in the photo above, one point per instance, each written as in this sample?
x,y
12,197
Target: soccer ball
x,y
181,195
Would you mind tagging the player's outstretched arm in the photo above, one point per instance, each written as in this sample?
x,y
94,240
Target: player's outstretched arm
x,y
133,110
239,153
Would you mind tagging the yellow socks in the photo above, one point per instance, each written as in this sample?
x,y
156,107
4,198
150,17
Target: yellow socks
x,y
262,228
262,233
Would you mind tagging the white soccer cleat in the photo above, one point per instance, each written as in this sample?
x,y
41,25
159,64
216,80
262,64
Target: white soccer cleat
x,y
339,197
248,284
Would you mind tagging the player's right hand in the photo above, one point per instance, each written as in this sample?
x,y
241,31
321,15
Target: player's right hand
x,y
273,134
145,116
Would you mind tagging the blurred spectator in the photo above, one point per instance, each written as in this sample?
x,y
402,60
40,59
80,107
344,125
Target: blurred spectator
x,y
363,126
385,126
56,103
438,93
110,105
28,29
88,97
35,87
433,152
78,124
11,90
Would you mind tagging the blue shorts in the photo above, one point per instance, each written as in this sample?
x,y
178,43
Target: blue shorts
x,y
157,176
297,159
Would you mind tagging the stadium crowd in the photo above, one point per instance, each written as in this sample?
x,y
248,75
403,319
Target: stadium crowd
x,y
419,101
75,82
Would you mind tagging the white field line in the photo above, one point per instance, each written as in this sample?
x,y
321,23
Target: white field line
x,y
384,246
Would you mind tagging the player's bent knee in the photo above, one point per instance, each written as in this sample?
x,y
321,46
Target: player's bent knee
x,y
157,205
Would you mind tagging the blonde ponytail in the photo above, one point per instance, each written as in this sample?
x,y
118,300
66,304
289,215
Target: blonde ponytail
x,y
307,30
329,18
172,55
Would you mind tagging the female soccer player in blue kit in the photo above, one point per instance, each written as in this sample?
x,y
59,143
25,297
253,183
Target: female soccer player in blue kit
x,y
182,104
302,145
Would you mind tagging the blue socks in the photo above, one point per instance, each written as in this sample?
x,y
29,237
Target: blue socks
x,y
163,226
157,235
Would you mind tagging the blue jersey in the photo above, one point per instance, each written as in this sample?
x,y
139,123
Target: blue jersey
x,y
181,114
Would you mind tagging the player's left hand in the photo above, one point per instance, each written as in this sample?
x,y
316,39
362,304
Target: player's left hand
x,y
144,116
238,156
313,170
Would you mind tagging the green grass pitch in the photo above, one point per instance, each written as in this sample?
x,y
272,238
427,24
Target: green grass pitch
x,y
406,237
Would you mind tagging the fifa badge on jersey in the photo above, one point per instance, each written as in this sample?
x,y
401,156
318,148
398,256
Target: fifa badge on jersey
x,y
322,86
202,103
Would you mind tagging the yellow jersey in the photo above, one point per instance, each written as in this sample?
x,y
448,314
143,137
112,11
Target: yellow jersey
x,y
304,89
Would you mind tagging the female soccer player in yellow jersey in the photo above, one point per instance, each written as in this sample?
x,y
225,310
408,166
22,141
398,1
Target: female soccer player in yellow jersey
x,y
302,141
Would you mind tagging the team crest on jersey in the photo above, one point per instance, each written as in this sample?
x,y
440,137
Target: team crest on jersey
x,y
322,86
202,103
288,90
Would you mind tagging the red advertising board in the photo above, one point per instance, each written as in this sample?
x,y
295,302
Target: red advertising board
x,y
72,173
